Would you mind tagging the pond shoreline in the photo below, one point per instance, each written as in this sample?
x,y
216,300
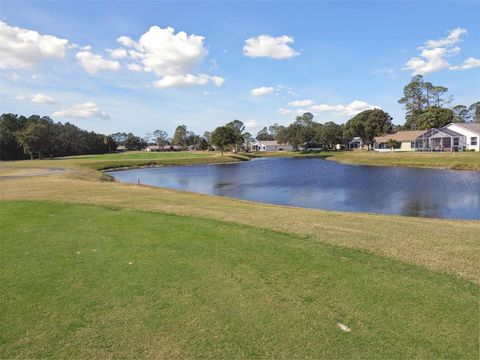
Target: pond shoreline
x,y
334,186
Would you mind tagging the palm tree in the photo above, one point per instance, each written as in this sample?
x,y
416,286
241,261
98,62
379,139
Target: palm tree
x,y
108,140
393,144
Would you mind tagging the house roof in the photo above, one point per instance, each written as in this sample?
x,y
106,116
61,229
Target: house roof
x,y
473,127
400,136
271,143
445,131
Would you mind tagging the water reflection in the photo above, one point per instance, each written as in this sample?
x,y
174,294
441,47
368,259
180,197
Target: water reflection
x,y
322,184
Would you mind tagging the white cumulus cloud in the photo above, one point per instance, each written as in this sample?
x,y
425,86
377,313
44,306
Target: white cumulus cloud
x,y
134,67
179,81
166,52
38,99
434,55
270,47
23,48
119,53
284,111
262,91
350,109
452,38
306,102
173,56
217,80
93,63
430,60
469,63
83,111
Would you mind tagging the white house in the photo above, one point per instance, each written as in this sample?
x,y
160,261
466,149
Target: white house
x,y
270,146
405,138
471,131
355,143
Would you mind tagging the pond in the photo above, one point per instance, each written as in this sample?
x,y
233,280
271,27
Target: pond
x,y
325,184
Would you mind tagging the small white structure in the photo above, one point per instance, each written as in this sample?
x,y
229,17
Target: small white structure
x,y
270,146
405,138
355,144
152,148
471,131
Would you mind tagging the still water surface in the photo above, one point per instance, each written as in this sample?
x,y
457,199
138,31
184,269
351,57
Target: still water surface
x,y
324,184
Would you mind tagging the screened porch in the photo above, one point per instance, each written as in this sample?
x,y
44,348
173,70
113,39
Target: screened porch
x,y
440,140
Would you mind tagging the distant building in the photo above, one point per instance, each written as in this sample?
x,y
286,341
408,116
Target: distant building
x,y
452,137
150,148
270,146
355,143
471,131
405,138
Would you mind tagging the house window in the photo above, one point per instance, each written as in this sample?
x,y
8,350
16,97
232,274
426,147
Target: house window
x,y
412,145
455,141
473,140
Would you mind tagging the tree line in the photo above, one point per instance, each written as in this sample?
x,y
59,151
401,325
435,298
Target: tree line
x,y
426,105
38,137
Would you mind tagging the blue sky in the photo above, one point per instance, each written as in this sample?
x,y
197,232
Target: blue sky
x,y
342,57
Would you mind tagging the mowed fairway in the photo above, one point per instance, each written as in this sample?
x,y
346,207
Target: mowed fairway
x,y
83,281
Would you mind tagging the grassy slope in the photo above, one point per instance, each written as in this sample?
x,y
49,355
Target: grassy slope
x,y
203,288
110,161
444,245
459,161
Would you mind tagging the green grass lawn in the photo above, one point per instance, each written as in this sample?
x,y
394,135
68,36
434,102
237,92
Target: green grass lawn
x,y
116,160
446,160
135,155
83,281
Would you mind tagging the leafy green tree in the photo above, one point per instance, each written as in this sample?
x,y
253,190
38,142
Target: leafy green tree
x,y
272,129
368,124
203,144
119,137
224,136
264,135
247,139
418,97
193,140
294,135
461,114
281,134
161,137
393,144
133,142
238,128
332,134
34,139
108,141
414,98
180,136
474,110
434,117
207,135
10,124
